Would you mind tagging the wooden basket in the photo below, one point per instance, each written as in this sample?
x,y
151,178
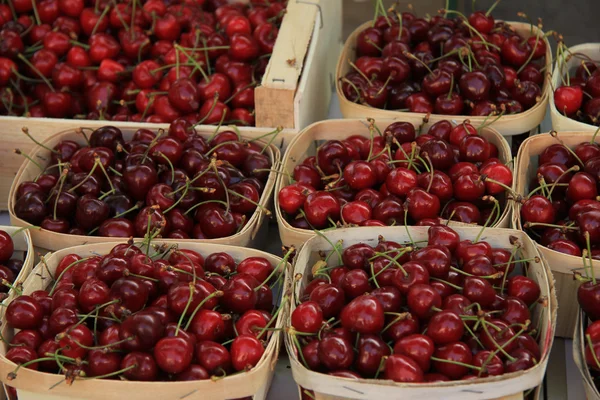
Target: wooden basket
x,y
508,125
55,241
562,265
291,94
559,121
508,386
304,146
32,384
579,343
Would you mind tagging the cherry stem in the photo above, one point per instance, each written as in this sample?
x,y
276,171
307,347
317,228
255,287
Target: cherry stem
x,y
193,61
417,59
586,235
64,271
319,233
555,135
535,46
406,227
293,334
63,178
573,168
97,308
489,11
394,260
447,283
263,208
31,160
485,324
37,71
359,71
202,203
218,293
563,227
273,318
489,218
13,375
399,317
590,344
442,360
185,192
104,12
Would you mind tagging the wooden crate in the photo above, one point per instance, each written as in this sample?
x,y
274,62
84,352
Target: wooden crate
x,y
561,265
508,125
509,386
47,240
292,94
562,67
36,385
304,145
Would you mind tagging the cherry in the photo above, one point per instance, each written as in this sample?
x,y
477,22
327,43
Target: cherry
x,y
75,341
442,235
329,298
21,355
416,273
523,360
142,366
145,330
493,367
421,300
213,356
239,294
102,363
582,186
538,209
445,327
474,86
523,288
445,355
421,204
24,312
400,368
588,295
335,353
417,347
479,290
173,354
364,314
194,372
246,352
515,311
491,338
320,207
371,350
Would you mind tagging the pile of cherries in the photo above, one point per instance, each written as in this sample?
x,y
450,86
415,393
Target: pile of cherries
x,y
396,177
176,184
562,212
10,266
452,310
172,315
578,97
454,66
151,61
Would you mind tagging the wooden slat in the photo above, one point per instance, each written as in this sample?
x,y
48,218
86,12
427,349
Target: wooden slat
x,y
275,97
